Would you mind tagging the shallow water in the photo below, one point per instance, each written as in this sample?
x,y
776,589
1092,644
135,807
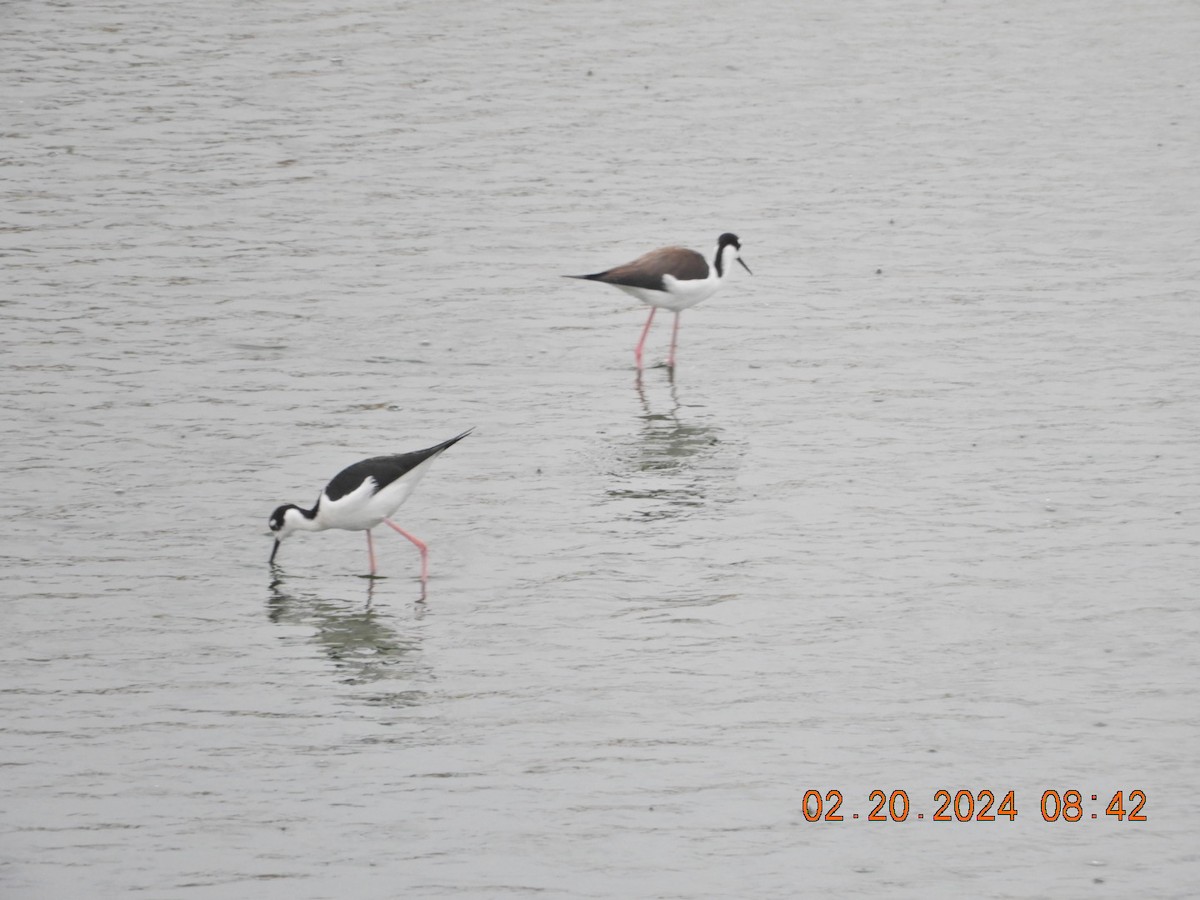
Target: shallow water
x,y
919,510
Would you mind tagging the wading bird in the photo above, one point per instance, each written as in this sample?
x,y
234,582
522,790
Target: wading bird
x,y
673,278
362,496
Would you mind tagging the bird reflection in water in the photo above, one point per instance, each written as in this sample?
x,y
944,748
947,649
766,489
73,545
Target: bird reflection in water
x,y
673,465
362,644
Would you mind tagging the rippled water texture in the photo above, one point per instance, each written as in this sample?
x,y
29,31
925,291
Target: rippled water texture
x,y
920,509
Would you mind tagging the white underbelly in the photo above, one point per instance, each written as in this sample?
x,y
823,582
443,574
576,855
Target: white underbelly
x,y
355,512
683,294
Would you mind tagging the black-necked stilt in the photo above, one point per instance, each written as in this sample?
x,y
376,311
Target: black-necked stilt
x,y
673,278
362,496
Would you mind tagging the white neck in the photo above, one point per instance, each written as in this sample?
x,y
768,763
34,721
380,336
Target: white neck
x,y
298,521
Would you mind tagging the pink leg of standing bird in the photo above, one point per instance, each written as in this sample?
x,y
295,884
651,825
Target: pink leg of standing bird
x,y
371,551
674,337
420,546
637,353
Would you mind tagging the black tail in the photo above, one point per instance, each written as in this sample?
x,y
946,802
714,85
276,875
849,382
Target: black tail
x,y
596,276
450,443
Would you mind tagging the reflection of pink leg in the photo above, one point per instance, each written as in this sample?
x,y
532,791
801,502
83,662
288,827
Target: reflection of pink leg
x,y
674,337
371,550
420,546
637,354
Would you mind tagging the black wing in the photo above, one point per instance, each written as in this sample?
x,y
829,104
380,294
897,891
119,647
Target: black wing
x,y
383,469
647,271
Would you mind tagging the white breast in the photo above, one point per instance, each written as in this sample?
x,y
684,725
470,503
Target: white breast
x,y
361,509
679,294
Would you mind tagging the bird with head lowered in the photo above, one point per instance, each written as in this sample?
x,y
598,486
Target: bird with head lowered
x,y
362,496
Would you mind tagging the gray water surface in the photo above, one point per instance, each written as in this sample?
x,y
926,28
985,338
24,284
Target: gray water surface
x,y
919,510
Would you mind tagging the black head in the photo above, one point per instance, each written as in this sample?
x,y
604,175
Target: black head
x,y
275,523
729,239
281,527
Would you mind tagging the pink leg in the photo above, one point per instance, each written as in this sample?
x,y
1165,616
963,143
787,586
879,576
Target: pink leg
x,y
371,551
674,337
637,354
420,546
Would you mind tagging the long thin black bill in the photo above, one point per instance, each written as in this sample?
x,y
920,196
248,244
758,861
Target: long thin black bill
x,y
744,266
274,550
